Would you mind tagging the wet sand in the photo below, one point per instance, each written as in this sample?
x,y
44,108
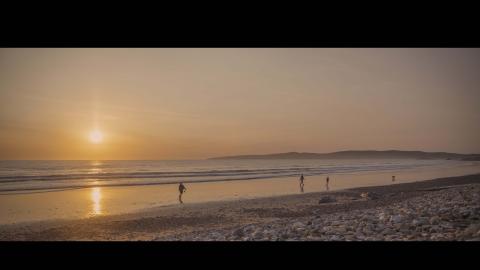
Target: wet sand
x,y
105,201
167,222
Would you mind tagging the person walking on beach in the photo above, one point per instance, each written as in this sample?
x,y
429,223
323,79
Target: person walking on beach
x,y
181,189
328,180
301,182
393,178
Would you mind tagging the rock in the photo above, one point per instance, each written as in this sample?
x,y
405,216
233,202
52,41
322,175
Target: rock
x,y
415,222
404,226
388,231
434,229
465,214
366,218
238,233
396,218
423,221
342,230
215,235
437,216
379,227
382,216
326,199
334,238
419,222
297,225
473,229
268,232
434,220
248,228
336,223
370,195
447,225
473,239
359,236
258,235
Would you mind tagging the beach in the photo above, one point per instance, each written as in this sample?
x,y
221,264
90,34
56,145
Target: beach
x,y
437,209
98,198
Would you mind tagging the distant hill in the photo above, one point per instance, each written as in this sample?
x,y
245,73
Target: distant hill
x,y
369,154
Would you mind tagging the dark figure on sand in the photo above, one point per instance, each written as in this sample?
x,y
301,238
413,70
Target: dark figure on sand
x,y
328,180
393,178
301,182
181,189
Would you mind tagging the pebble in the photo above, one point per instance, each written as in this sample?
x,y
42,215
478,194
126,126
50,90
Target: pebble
x,y
238,232
396,218
447,214
326,199
434,220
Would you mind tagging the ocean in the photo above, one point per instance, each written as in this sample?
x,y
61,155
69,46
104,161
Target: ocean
x,y
32,176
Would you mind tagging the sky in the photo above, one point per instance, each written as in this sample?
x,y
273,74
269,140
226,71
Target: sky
x,y
183,103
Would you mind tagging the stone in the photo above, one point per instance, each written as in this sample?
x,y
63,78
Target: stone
x,y
370,195
434,220
396,218
258,234
415,222
341,230
268,232
238,233
388,231
436,216
336,223
382,216
297,225
472,229
326,199
380,227
334,238
465,214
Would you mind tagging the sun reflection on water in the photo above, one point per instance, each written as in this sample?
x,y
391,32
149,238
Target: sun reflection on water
x,y
96,197
95,167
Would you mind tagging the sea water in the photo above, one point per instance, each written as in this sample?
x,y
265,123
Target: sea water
x,y
31,176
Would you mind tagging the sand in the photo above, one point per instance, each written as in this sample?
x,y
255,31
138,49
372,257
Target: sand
x,y
166,222
104,201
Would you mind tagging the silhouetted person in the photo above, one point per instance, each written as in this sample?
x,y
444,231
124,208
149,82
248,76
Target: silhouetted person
x,y
301,182
327,181
393,178
181,189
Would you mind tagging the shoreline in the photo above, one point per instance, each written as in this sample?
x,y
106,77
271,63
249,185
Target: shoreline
x,y
184,179
104,201
184,222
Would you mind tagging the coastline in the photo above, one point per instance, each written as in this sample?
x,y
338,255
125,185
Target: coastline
x,y
223,218
100,201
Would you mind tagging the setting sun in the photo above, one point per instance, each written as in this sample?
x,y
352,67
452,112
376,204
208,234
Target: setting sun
x,y
96,136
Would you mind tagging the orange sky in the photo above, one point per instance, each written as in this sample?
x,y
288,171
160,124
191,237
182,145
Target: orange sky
x,y
199,103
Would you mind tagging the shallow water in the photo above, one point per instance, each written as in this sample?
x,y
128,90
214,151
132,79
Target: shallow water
x,y
28,176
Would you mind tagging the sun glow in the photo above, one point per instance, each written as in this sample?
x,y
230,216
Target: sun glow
x,y
96,136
